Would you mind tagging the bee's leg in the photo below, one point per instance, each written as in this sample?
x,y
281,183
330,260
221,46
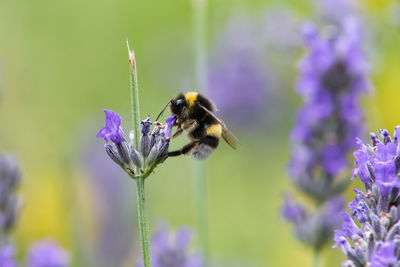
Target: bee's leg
x,y
184,150
186,126
178,132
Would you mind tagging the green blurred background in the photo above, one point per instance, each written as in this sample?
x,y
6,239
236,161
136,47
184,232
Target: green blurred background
x,y
63,62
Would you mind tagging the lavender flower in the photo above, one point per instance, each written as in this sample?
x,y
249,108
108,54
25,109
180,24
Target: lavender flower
x,y
9,202
153,146
47,254
332,77
112,131
7,256
171,249
371,235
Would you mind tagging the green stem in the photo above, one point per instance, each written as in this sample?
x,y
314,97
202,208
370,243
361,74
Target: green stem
x,y
134,89
200,71
143,227
317,258
141,199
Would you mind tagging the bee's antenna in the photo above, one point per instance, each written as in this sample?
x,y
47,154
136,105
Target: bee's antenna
x,y
162,111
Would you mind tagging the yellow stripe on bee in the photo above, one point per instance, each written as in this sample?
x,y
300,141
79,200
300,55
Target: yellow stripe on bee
x,y
214,130
191,98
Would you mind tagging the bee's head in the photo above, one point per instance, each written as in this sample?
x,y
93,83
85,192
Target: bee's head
x,y
178,105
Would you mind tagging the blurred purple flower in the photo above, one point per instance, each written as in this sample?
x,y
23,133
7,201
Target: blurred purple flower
x,y
47,254
249,66
172,249
332,77
332,207
112,131
314,228
377,208
10,176
7,253
292,211
237,82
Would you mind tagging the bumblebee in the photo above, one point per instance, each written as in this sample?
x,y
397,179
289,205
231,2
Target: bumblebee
x,y
195,114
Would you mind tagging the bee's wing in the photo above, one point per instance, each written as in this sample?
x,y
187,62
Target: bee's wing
x,y
228,136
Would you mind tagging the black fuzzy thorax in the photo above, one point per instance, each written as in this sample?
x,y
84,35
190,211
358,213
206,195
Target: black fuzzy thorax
x,y
197,113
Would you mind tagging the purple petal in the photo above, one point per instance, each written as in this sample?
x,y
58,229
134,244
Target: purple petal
x,y
112,131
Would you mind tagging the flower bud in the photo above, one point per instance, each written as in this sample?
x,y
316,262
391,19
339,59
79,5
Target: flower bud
x,y
152,156
374,138
146,139
146,124
385,220
360,252
124,151
112,152
132,139
157,128
163,147
156,134
385,136
136,158
145,145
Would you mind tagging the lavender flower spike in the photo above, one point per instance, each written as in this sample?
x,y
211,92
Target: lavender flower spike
x,y
171,249
375,239
47,254
153,146
332,78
